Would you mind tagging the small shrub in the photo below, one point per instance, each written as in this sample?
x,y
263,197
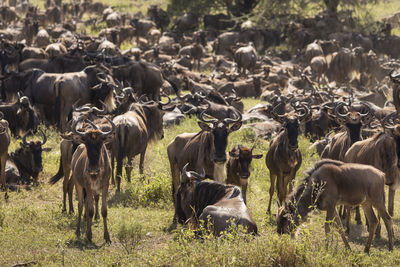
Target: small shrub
x,y
129,235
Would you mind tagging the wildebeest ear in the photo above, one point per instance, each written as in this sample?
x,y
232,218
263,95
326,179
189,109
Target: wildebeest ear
x,y
236,126
46,149
257,156
109,138
204,126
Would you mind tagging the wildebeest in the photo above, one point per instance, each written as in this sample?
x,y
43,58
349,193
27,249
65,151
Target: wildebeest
x,y
91,171
211,202
283,158
21,116
246,58
202,150
26,162
330,183
353,121
381,151
238,167
5,142
134,130
145,78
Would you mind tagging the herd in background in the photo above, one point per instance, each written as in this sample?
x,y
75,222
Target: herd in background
x,y
107,105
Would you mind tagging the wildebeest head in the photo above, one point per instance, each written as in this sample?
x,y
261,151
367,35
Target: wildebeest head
x,y
244,156
154,112
26,115
29,156
93,139
391,123
186,192
103,91
220,130
290,123
352,118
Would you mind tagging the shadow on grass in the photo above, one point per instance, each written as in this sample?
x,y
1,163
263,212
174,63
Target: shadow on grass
x,y
122,198
82,244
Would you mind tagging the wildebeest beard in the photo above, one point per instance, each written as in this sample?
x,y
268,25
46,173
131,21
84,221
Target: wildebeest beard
x,y
397,139
354,131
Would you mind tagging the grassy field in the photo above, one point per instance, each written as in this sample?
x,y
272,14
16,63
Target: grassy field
x,y
33,229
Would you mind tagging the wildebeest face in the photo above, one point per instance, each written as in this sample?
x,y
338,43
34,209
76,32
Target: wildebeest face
x,y
30,157
93,141
220,132
244,156
292,128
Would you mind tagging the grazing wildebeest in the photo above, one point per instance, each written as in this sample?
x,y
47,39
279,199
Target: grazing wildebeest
x,y
91,171
21,116
202,150
238,167
283,158
134,130
330,183
396,90
212,202
26,162
5,142
381,151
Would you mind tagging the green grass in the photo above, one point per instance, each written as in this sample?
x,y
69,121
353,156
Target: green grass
x,y
33,229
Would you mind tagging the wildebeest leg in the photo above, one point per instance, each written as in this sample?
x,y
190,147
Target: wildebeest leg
x,y
347,213
271,190
331,214
244,191
70,195
128,168
283,181
358,215
292,175
372,224
3,160
112,167
79,191
387,220
141,162
392,192
89,214
104,213
96,201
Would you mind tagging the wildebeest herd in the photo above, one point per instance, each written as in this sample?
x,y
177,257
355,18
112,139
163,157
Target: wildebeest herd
x,y
107,106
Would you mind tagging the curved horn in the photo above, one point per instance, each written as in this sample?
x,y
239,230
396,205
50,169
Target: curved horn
x,y
338,113
100,111
368,108
44,137
385,122
185,173
101,76
168,102
24,137
239,118
201,117
254,145
305,114
113,127
75,131
92,124
143,102
2,129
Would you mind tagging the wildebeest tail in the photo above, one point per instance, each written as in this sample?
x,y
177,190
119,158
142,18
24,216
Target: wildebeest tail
x,y
122,132
58,175
57,111
172,83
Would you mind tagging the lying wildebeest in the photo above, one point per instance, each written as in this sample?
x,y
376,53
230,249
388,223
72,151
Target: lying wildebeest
x,y
21,116
330,183
202,150
91,171
134,130
381,151
283,158
5,142
26,162
211,202
238,167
